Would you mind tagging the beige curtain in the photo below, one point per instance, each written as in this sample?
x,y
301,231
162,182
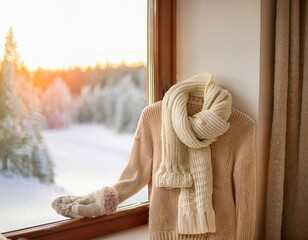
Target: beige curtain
x,y
287,192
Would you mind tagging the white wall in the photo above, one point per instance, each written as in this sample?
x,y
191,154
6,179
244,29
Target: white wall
x,y
222,37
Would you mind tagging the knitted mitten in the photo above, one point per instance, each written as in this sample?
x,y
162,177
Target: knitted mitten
x,y
100,202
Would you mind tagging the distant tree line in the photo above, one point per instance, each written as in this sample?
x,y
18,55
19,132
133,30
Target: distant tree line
x,y
76,77
117,104
111,94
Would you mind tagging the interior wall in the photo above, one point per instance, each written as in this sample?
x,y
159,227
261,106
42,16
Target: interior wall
x,y
223,38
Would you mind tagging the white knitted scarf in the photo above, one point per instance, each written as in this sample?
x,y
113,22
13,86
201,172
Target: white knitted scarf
x,y
186,153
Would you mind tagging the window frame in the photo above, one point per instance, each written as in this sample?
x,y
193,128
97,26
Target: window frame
x,y
161,75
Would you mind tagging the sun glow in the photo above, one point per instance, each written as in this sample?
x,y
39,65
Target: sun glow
x,y
64,33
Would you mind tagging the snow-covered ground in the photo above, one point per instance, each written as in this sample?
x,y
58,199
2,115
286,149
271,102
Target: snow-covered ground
x,y
86,157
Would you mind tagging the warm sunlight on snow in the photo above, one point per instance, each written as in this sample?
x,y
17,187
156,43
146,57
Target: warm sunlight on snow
x,y
72,77
63,33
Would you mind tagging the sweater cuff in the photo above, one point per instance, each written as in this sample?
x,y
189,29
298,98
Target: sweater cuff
x,y
196,223
109,200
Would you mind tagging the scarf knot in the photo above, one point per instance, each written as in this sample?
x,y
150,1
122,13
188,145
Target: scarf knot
x,y
186,154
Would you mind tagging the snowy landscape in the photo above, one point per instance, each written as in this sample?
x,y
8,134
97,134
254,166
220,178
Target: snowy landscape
x,y
86,157
62,131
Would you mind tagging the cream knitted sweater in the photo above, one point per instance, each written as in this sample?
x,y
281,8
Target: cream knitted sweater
x,y
233,163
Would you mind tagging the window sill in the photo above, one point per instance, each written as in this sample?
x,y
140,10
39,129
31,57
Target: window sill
x,y
126,217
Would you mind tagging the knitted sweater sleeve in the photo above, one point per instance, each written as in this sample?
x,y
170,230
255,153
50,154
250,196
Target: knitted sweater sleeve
x,y
244,177
137,172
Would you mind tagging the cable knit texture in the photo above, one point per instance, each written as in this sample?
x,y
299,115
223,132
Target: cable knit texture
x,y
233,166
186,157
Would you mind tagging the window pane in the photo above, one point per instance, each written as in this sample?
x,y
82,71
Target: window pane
x,y
72,88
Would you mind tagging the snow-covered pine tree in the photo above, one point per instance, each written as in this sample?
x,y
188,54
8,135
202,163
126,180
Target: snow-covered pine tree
x,y
86,105
130,101
10,130
40,159
117,105
56,105
22,150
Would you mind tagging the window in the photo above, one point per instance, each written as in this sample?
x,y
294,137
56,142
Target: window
x,y
161,52
73,80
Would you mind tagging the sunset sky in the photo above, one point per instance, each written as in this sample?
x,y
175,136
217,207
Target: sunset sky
x,y
63,33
